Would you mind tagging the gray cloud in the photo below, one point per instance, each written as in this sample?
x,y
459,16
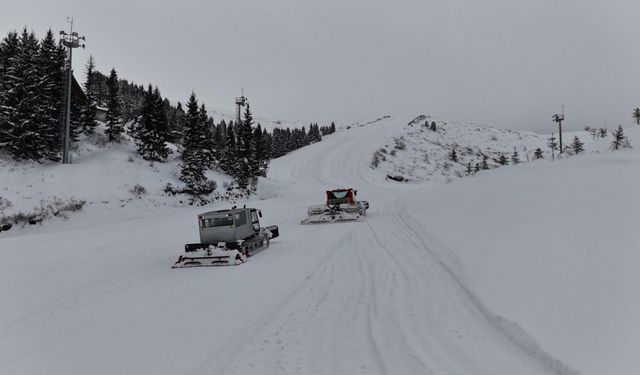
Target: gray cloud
x,y
508,63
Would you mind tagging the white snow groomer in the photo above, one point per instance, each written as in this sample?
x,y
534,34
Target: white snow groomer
x,y
341,206
227,237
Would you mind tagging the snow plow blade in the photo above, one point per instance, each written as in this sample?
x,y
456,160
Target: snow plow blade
x,y
331,218
202,255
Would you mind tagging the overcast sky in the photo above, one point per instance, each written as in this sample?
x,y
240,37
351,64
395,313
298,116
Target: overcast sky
x,y
506,63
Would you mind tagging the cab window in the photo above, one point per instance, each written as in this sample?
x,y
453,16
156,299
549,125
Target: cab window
x,y
240,218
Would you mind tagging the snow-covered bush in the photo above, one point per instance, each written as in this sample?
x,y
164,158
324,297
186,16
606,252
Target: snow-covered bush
x,y
399,144
56,207
378,156
4,203
138,191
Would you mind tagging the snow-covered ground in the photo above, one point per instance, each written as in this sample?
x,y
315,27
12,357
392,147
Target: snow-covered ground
x,y
527,269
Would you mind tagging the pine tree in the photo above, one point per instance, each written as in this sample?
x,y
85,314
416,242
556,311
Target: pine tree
x,y
114,123
314,133
603,133
332,128
261,153
20,103
88,114
433,126
268,141
619,139
577,145
206,141
515,157
538,153
160,115
218,141
51,61
636,115
151,131
553,145
8,58
194,160
246,151
502,160
453,156
485,165
469,168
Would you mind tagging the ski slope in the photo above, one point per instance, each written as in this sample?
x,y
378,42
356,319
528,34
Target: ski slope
x,y
405,292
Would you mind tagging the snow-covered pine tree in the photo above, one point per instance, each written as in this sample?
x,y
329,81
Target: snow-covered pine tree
x,y
433,126
160,115
515,156
619,139
246,151
485,165
502,160
172,121
268,140
577,145
177,131
332,127
207,142
218,141
277,143
538,154
261,152
51,62
314,133
21,105
88,113
8,51
553,145
603,132
194,161
152,129
636,115
453,156
229,162
115,126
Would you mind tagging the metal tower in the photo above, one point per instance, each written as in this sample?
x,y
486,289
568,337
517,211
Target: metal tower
x,y
240,102
559,118
71,41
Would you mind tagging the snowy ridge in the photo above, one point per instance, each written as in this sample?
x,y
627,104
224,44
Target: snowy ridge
x,y
418,154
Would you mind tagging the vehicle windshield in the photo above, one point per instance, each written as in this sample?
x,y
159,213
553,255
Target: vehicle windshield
x,y
217,222
339,194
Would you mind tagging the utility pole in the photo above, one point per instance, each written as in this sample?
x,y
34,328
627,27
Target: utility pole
x,y
559,118
70,40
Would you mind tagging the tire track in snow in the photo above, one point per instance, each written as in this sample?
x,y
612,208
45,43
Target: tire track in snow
x,y
326,328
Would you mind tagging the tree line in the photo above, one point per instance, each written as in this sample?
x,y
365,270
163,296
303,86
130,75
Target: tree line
x,y
32,92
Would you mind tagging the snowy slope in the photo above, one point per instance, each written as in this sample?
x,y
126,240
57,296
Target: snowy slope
x,y
428,284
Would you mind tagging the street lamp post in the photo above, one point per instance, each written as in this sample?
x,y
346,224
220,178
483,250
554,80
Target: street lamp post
x,y
70,40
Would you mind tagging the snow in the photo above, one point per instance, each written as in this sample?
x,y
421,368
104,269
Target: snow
x,y
525,269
